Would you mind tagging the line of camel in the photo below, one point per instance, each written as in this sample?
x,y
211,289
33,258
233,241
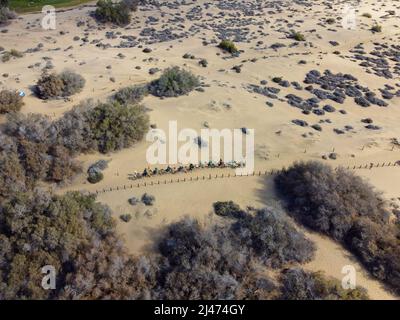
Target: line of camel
x,y
184,169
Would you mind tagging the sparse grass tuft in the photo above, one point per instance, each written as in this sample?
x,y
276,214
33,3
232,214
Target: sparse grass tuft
x,y
228,46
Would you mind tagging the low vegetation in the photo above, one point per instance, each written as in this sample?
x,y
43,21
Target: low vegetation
x,y
65,84
74,234
5,13
32,148
346,208
367,15
131,95
114,126
13,53
298,284
376,28
297,36
118,13
228,46
174,82
10,101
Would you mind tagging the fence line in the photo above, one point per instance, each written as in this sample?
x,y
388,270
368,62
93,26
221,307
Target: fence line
x,y
224,175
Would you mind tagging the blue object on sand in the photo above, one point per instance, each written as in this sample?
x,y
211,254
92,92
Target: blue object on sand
x,y
21,93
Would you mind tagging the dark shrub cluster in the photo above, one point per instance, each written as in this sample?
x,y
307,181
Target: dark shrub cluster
x,y
228,46
31,143
272,239
118,13
10,101
221,261
65,84
73,82
76,236
202,263
130,95
94,171
5,13
13,53
348,209
298,284
38,149
174,82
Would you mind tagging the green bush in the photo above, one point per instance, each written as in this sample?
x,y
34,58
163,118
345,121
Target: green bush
x,y
228,209
114,126
130,95
117,13
297,36
10,101
95,177
376,28
228,46
174,82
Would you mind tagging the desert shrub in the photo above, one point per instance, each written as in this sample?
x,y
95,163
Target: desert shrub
x,y
13,53
74,131
6,14
131,4
376,28
148,199
330,21
327,200
125,217
298,284
61,164
55,85
348,209
174,82
114,126
10,101
49,86
272,239
73,82
12,174
228,46
367,15
202,263
38,151
74,234
130,95
45,149
95,176
297,36
228,209
117,13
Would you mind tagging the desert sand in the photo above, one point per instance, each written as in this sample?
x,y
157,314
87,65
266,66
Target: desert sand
x,y
227,101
